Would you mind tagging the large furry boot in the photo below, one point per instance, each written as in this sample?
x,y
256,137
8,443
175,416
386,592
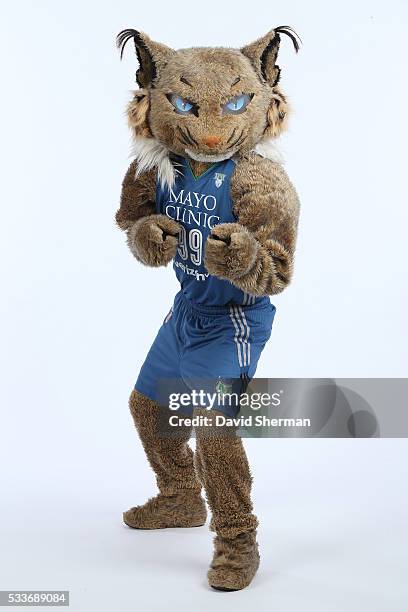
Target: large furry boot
x,y
179,502
223,469
235,562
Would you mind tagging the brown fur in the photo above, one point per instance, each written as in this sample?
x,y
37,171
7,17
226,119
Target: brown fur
x,y
231,251
137,198
137,114
256,254
211,72
235,562
153,240
179,503
208,77
170,458
184,509
277,115
220,465
223,470
276,121
265,65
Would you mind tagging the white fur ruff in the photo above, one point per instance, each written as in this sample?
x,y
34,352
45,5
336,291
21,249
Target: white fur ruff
x,y
150,153
267,148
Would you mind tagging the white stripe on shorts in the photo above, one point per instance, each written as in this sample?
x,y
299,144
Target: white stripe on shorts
x,y
236,336
246,340
248,299
241,337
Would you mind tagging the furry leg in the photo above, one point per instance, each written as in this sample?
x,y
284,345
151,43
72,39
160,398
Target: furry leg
x,y
223,468
179,502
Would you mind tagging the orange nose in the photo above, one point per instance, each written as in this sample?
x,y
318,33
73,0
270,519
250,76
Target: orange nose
x,y
211,141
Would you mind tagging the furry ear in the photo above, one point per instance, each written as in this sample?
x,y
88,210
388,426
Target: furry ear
x,y
264,52
277,116
137,113
152,56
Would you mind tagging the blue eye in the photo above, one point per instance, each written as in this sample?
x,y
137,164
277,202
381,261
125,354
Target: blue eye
x,y
181,105
237,104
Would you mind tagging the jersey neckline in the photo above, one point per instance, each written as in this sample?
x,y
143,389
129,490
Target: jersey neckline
x,y
198,178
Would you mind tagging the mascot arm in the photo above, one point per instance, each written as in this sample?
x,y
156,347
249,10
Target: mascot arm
x,y
152,238
256,253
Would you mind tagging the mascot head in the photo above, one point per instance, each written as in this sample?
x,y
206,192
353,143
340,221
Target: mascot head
x,y
207,104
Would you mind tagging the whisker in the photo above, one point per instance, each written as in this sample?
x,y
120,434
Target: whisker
x,y
237,141
191,136
183,144
185,137
184,140
232,135
237,144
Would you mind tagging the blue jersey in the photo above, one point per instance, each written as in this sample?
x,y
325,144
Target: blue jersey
x,y
198,204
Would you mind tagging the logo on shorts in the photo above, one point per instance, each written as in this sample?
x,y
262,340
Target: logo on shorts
x,y
219,179
222,387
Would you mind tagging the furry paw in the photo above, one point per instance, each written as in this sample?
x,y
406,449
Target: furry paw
x,y
231,251
153,240
235,562
182,509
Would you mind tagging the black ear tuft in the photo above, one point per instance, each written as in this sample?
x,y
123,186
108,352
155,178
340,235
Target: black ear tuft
x,y
294,37
263,53
152,56
147,68
123,38
270,53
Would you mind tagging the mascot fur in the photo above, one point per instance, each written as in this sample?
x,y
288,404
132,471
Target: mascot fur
x,y
207,191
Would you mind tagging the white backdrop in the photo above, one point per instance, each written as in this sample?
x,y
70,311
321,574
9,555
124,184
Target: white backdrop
x,y
78,313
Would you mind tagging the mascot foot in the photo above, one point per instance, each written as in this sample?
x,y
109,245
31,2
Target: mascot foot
x,y
184,509
235,562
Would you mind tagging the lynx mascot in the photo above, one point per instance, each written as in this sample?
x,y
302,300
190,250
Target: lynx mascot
x,y
206,191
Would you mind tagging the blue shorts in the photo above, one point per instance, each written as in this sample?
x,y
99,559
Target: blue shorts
x,y
207,346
